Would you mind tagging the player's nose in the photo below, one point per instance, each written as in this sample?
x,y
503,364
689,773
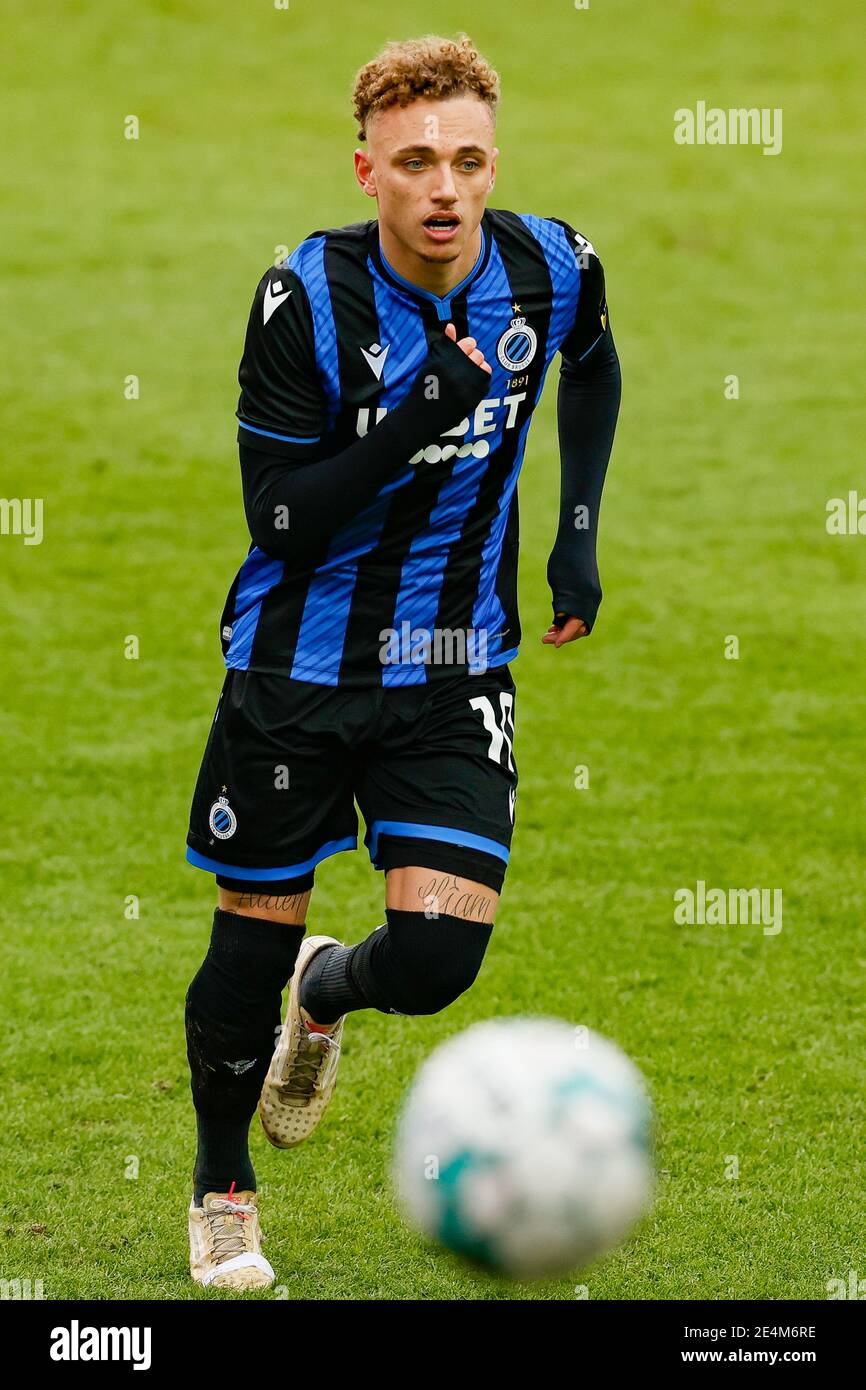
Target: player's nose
x,y
445,189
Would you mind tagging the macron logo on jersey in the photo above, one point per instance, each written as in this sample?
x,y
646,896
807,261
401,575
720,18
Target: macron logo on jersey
x,y
375,356
274,297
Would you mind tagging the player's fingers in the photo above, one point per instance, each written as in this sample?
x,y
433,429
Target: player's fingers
x,y
473,352
570,631
451,332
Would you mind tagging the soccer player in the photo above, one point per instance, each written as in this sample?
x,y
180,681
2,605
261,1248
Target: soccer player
x,y
388,380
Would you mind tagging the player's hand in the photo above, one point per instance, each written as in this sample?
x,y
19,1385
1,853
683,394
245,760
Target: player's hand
x,y
564,629
470,347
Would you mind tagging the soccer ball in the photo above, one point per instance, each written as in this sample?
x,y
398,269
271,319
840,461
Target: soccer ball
x,y
525,1145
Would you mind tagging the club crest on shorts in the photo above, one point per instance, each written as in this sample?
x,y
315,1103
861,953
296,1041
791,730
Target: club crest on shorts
x,y
517,345
222,819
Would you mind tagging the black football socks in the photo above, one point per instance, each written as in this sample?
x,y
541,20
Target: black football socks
x,y
414,965
328,988
232,1026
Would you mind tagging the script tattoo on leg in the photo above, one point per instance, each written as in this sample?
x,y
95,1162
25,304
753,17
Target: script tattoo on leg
x,y
451,899
290,903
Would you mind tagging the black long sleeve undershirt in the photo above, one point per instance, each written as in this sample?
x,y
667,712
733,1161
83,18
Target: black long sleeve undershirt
x,y
321,496
588,402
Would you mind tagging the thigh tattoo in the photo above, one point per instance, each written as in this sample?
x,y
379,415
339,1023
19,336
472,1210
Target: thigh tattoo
x,y
448,896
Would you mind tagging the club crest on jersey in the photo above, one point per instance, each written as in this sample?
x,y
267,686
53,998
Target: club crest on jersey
x,y
222,819
517,345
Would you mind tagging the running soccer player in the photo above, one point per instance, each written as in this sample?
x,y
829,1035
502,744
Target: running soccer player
x,y
388,380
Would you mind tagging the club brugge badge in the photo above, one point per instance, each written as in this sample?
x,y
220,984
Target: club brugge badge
x,y
222,820
516,348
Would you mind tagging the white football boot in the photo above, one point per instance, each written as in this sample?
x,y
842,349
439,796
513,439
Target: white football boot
x,y
303,1070
225,1243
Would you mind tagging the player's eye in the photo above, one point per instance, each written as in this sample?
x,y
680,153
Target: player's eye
x,y
418,163
471,165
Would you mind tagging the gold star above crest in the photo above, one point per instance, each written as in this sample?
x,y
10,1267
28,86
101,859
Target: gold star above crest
x,y
515,308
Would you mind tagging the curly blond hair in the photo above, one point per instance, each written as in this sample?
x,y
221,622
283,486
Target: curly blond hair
x,y
426,67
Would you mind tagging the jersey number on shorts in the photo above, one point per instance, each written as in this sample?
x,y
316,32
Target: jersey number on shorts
x,y
499,735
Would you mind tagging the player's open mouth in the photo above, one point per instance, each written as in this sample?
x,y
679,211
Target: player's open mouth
x,y
441,226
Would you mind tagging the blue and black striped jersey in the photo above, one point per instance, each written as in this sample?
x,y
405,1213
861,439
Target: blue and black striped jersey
x,y
335,344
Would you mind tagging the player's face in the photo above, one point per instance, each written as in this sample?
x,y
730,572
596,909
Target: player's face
x,y
431,166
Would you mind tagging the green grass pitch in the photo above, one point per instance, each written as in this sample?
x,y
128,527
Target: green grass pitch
x,y
139,258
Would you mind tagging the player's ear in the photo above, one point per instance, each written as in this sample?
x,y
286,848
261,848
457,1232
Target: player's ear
x,y
365,173
492,168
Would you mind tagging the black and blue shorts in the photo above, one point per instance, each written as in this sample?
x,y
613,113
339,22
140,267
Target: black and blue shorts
x,y
431,768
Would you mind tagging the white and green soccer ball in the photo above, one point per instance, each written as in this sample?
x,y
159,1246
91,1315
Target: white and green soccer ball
x,y
525,1145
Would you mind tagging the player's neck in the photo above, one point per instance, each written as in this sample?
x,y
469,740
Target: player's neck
x,y
436,277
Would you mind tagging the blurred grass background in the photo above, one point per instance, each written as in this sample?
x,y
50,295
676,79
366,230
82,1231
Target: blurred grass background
x,y
140,257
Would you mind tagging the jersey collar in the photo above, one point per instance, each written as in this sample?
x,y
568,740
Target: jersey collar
x,y
441,303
